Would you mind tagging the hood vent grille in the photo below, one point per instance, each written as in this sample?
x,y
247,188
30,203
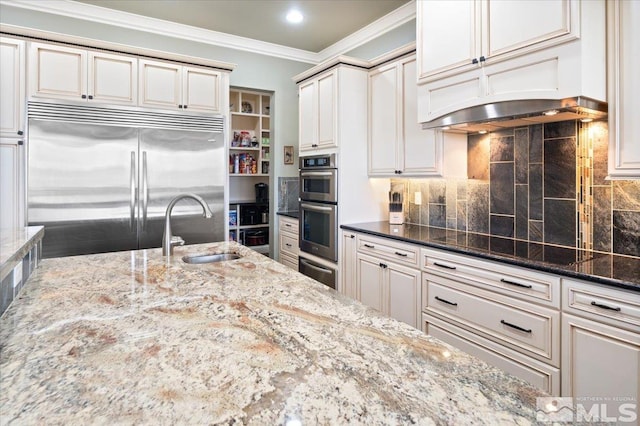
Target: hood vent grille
x,y
499,115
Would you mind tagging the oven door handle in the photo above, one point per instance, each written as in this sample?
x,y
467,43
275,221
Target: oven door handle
x,y
317,208
316,173
317,268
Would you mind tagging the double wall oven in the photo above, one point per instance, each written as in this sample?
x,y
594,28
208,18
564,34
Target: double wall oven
x,y
319,218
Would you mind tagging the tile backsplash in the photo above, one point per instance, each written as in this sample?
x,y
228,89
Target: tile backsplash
x,y
289,191
542,183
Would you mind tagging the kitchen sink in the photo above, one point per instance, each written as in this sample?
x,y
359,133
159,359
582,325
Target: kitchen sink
x,y
210,258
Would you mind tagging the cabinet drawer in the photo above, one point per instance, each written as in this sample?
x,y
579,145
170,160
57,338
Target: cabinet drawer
x,y
403,254
290,261
537,373
615,307
288,225
529,329
512,281
288,244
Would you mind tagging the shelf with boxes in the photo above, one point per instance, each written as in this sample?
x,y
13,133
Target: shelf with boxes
x,y
250,144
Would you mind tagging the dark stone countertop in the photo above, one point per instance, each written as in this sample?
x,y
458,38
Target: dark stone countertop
x,y
289,213
604,268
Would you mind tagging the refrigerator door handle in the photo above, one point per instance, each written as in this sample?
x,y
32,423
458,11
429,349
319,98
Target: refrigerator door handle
x,y
145,189
132,188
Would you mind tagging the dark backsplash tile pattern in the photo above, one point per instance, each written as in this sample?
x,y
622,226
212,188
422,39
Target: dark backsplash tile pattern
x,y
531,183
288,193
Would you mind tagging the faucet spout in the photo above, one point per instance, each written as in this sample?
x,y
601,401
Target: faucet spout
x,y
168,241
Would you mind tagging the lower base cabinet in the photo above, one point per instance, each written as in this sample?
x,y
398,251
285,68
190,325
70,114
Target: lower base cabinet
x,y
288,241
599,361
392,289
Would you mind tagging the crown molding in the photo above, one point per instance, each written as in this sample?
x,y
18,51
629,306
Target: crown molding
x,y
127,20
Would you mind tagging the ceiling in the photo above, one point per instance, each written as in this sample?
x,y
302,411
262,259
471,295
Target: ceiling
x,y
326,21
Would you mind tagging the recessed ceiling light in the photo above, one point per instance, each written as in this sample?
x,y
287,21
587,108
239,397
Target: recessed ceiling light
x,y
552,112
294,16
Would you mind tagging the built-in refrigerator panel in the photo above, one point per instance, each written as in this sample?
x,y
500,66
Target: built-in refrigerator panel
x,y
80,180
176,162
100,178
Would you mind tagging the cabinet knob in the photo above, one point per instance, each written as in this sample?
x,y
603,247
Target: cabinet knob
x,y
20,132
180,106
475,61
185,107
90,96
84,96
482,59
20,143
352,236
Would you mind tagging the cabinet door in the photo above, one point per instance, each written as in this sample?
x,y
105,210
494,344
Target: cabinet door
x,y
12,82
370,280
307,124
327,110
448,36
57,72
403,294
525,25
420,150
384,117
160,84
348,265
11,181
599,360
623,88
201,89
113,79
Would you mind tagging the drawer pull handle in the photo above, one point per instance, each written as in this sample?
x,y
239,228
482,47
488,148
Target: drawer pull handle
x,y
288,225
401,254
369,246
516,284
446,301
444,266
288,245
599,305
526,330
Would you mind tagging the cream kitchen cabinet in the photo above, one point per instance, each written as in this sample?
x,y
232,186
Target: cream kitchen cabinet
x,y
454,37
478,52
318,112
387,278
11,183
76,74
288,241
600,342
348,277
623,37
397,143
170,85
12,87
504,315
332,109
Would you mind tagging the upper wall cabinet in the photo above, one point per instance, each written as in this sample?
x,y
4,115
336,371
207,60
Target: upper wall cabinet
x,y
455,36
624,89
76,74
475,52
174,86
12,87
318,108
397,143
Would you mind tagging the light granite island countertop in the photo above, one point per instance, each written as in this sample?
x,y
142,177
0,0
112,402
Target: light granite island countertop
x,y
134,338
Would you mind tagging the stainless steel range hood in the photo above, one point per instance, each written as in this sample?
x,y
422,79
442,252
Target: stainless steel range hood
x,y
491,117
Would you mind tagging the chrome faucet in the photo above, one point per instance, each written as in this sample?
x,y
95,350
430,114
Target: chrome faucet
x,y
169,241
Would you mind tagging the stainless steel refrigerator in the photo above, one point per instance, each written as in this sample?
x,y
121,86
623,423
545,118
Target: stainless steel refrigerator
x,y
100,179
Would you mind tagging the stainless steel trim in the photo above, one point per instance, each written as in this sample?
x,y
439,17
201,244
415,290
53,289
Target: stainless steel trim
x,y
145,190
316,208
529,109
332,162
318,272
316,174
123,116
132,189
317,268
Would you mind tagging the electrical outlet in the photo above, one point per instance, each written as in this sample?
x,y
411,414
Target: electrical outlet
x,y
417,198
